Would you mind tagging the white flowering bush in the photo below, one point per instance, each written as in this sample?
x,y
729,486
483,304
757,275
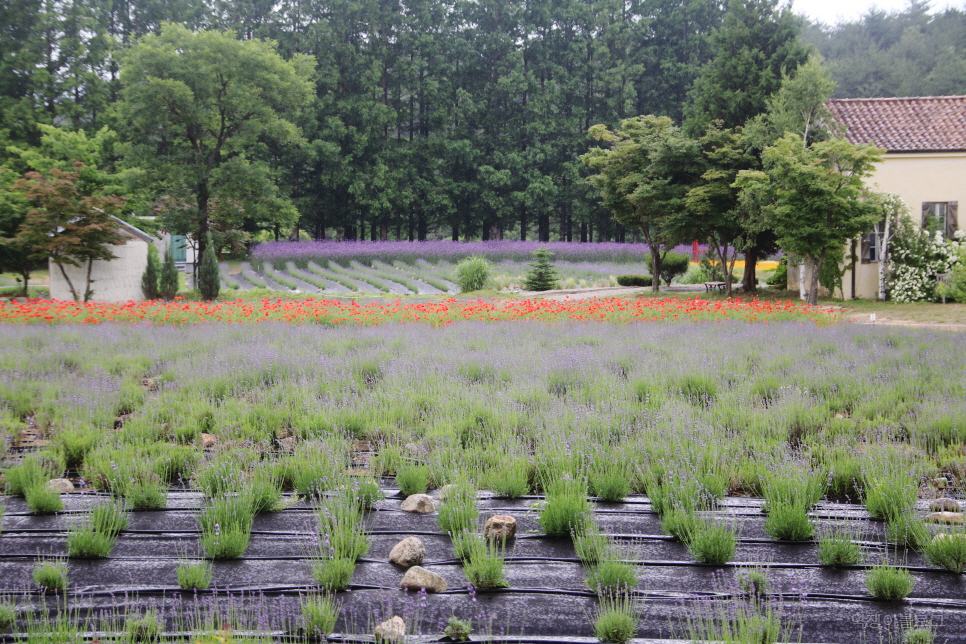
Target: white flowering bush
x,y
915,258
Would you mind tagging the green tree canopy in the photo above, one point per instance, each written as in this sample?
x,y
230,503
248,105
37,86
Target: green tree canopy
x,y
68,227
814,197
643,176
197,109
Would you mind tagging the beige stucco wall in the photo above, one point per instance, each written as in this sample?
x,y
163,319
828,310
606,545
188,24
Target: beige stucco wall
x,y
116,281
916,177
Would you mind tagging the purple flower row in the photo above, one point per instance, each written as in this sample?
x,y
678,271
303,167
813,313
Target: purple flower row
x,y
277,253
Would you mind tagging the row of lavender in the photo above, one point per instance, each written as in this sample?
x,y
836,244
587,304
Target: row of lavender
x,y
278,253
686,414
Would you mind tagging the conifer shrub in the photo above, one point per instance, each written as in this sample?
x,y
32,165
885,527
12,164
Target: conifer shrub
x,y
149,279
168,282
209,282
542,276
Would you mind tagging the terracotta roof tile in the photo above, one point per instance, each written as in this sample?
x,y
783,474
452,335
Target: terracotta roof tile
x,y
919,124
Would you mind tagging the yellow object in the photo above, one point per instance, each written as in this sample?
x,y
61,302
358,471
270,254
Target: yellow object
x,y
761,266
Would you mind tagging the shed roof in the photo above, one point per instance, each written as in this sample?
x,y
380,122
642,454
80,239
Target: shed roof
x,y
912,124
131,230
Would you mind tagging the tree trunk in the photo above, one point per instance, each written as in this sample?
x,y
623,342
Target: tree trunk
x,y
25,276
87,285
70,284
813,279
749,280
655,266
202,227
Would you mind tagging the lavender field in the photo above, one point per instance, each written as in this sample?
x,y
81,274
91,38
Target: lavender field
x,y
693,481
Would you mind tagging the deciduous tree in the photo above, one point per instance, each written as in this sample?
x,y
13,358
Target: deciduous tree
x,y
196,107
815,198
66,226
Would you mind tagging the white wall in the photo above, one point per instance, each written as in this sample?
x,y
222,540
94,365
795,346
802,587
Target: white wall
x,y
118,280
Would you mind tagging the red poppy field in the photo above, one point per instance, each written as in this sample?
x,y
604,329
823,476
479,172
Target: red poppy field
x,y
442,312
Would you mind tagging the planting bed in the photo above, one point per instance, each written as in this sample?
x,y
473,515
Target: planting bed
x,y
547,595
723,425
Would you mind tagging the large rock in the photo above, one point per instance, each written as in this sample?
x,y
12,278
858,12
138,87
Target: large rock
x,y
408,552
947,518
208,440
945,504
417,578
501,527
60,486
391,631
419,503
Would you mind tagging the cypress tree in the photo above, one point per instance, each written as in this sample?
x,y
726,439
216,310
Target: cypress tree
x,y
208,279
149,280
541,276
169,276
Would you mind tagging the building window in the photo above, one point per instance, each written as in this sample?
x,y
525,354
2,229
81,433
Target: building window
x,y
870,244
940,217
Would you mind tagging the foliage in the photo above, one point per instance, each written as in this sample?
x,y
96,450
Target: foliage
x,y
209,99
713,543
908,52
209,280
70,228
755,44
566,508
634,280
673,265
915,258
788,522
643,176
889,582
541,276
413,479
780,277
947,550
837,547
483,562
616,619
51,575
816,199
194,575
458,630
472,273
168,282
320,612
458,511
149,280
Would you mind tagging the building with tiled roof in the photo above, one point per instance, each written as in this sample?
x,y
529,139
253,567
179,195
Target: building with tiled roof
x,y
918,124
925,163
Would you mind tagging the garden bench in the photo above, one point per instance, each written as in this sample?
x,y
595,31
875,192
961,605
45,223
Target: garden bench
x,y
714,286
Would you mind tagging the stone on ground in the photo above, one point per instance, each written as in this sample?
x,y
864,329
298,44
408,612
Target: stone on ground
x,y
417,578
418,503
408,552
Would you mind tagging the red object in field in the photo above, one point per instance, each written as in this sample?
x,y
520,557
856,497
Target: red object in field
x,y
694,251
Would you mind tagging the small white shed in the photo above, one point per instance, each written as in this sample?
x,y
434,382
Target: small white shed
x,y
117,280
